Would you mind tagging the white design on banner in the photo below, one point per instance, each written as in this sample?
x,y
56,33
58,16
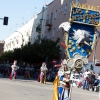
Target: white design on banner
x,y
81,36
65,25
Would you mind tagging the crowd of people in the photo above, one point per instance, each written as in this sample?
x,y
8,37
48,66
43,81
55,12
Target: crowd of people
x,y
88,80
27,71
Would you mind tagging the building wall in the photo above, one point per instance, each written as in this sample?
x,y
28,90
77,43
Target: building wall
x,y
61,13
39,19
97,55
19,37
58,11
25,33
1,46
95,3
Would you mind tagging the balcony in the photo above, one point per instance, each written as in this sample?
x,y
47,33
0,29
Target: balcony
x,y
38,29
48,23
49,28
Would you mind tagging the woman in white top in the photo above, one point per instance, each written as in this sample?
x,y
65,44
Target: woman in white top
x,y
43,73
14,69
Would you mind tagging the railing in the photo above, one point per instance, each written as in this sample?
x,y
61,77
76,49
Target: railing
x,y
38,29
48,23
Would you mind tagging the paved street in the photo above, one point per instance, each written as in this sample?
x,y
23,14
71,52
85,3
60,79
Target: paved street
x,y
32,90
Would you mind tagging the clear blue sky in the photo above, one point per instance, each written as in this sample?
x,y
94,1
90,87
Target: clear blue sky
x,y
18,11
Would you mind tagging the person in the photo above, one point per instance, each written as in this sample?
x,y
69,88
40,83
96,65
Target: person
x,y
41,77
79,83
64,64
14,70
62,84
86,79
43,70
64,87
27,71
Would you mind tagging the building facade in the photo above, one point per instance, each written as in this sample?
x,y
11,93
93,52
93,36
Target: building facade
x,y
27,33
46,24
58,11
38,28
1,46
95,54
19,37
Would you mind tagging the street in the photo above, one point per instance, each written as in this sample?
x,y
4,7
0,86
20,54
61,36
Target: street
x,y
32,90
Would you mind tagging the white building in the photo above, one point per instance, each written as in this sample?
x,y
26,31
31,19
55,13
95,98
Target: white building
x,y
27,33
39,25
19,37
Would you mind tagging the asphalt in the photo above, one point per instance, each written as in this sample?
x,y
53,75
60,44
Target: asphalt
x,y
22,89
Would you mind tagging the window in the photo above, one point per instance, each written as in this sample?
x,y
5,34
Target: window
x,y
44,23
51,18
77,1
59,10
56,14
42,35
70,5
57,29
62,1
53,32
65,9
48,36
61,49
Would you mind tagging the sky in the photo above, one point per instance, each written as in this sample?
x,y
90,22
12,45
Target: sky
x,y
19,12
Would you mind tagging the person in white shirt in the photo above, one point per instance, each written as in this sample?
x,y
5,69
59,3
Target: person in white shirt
x,y
14,69
43,73
86,81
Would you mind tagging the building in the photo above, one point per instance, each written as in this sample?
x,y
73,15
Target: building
x,y
38,28
58,11
27,33
19,37
95,54
46,24
1,46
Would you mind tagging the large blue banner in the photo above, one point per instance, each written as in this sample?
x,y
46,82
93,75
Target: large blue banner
x,y
82,48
